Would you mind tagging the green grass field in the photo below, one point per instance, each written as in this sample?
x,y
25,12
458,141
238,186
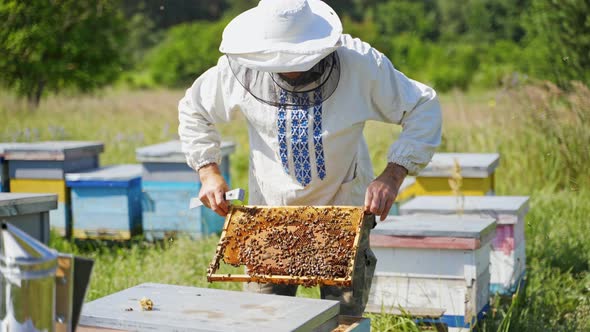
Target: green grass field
x,y
542,133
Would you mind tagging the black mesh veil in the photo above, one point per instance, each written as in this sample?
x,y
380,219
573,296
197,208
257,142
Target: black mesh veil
x,y
321,80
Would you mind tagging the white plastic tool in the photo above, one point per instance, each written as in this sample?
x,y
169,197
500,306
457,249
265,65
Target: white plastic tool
x,y
232,195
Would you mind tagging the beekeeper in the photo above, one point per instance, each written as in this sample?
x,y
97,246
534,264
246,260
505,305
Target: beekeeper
x,y
306,91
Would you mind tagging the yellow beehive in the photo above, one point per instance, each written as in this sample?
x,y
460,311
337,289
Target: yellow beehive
x,y
466,174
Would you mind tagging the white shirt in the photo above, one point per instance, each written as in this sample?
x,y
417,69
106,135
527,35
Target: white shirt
x,y
335,168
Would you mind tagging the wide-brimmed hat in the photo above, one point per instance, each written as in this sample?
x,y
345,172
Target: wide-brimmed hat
x,y
282,35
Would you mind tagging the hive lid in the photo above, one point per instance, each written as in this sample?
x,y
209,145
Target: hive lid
x,y
181,308
5,146
474,165
14,204
485,205
53,150
425,225
171,152
109,176
22,256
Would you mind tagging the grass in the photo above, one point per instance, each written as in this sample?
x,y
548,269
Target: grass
x,y
541,132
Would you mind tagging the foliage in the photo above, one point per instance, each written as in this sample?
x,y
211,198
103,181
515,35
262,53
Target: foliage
x,y
59,44
186,52
559,36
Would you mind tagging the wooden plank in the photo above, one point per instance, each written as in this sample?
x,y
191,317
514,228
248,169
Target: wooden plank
x,y
476,165
44,169
430,225
406,311
12,204
182,308
53,150
493,206
279,279
388,241
118,173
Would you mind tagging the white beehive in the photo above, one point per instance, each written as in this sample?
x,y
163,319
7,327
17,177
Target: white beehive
x,y
433,263
508,258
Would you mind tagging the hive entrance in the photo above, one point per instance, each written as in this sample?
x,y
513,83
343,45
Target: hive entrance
x,y
290,245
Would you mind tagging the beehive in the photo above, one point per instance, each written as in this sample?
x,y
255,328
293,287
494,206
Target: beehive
x,y
106,203
433,263
180,308
508,258
41,168
477,172
4,177
168,185
29,212
290,245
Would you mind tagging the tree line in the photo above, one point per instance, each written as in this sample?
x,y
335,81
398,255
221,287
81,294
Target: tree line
x,y
82,45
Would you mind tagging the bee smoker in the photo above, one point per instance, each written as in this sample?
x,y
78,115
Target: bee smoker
x,y
41,289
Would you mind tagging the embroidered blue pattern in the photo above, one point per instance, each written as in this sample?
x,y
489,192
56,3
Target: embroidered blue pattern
x,y
299,139
299,135
317,135
282,126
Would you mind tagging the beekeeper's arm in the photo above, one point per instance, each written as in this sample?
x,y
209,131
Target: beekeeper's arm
x,y
198,111
415,106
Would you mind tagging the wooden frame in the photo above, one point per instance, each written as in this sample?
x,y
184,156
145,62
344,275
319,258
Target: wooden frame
x,y
231,237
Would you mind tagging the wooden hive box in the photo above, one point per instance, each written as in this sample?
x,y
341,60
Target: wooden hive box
x,y
106,203
4,175
29,212
300,245
181,308
41,168
168,185
508,258
477,172
431,263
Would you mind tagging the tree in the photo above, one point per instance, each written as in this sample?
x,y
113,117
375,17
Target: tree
x,y
57,44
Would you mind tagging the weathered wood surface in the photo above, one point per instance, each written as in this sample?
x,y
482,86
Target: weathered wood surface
x,y
179,308
429,225
125,172
476,165
171,151
12,204
505,209
53,150
506,270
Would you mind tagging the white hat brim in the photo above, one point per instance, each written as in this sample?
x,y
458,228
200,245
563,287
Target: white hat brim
x,y
244,41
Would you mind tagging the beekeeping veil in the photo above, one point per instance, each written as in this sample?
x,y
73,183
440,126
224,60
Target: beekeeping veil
x,y
285,36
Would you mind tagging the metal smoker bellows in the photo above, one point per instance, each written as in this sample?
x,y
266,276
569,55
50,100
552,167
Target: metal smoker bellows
x,y
38,289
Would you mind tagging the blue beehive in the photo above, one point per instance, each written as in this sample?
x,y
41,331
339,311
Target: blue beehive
x,y
168,185
40,167
106,203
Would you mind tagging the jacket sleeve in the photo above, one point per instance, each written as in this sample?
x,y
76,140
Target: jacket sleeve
x,y
198,111
413,105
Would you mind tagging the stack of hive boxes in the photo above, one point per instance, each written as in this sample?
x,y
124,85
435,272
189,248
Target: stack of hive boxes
x,y
106,202
433,264
168,185
41,168
508,258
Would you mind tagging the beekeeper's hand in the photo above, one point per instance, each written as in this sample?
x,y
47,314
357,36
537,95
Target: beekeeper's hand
x,y
213,189
382,192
